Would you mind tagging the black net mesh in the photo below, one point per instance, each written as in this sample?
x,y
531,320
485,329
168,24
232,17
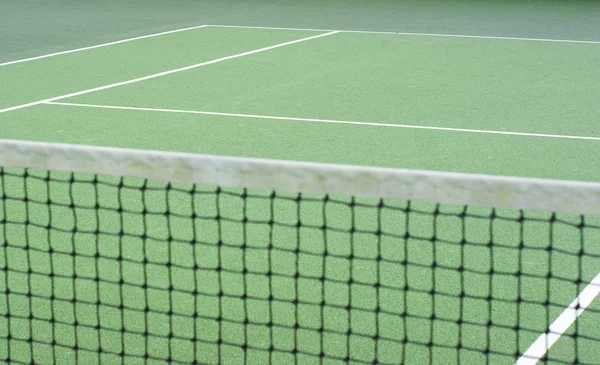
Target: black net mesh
x,y
102,270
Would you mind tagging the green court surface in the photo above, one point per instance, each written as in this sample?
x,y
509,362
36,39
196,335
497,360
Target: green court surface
x,y
518,107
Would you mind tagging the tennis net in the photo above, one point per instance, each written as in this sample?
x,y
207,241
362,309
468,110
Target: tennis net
x,y
139,257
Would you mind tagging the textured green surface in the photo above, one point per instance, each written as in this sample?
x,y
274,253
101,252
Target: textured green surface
x,y
32,27
447,82
498,85
367,145
78,71
519,86
128,214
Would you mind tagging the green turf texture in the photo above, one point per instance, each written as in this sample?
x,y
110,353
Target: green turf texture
x,y
102,66
535,87
507,85
31,27
245,245
485,84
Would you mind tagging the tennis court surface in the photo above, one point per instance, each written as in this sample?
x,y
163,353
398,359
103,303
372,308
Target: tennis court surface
x,y
353,255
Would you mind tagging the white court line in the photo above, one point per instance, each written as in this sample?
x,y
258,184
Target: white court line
x,y
283,28
323,121
412,34
100,45
165,72
541,346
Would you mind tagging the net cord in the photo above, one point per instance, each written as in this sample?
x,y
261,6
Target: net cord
x,y
359,181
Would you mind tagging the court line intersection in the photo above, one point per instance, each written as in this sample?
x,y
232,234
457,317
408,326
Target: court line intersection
x,y
169,72
297,29
101,45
